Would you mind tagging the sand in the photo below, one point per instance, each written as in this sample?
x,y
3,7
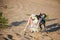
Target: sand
x,y
16,11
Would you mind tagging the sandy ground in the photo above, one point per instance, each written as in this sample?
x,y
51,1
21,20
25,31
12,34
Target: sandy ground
x,y
16,12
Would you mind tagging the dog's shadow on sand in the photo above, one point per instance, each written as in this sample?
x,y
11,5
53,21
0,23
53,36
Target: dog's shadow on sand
x,y
53,27
17,23
52,19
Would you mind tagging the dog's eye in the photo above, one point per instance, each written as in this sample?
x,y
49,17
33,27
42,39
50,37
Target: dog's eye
x,y
33,19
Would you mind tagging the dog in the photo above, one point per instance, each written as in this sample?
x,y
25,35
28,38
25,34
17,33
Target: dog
x,y
34,23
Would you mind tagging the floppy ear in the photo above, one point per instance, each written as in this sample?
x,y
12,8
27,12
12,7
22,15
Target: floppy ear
x,y
37,17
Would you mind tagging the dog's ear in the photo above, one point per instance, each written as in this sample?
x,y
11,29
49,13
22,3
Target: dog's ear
x,y
37,17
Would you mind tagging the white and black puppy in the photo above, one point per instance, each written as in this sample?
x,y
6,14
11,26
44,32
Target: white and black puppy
x,y
34,26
